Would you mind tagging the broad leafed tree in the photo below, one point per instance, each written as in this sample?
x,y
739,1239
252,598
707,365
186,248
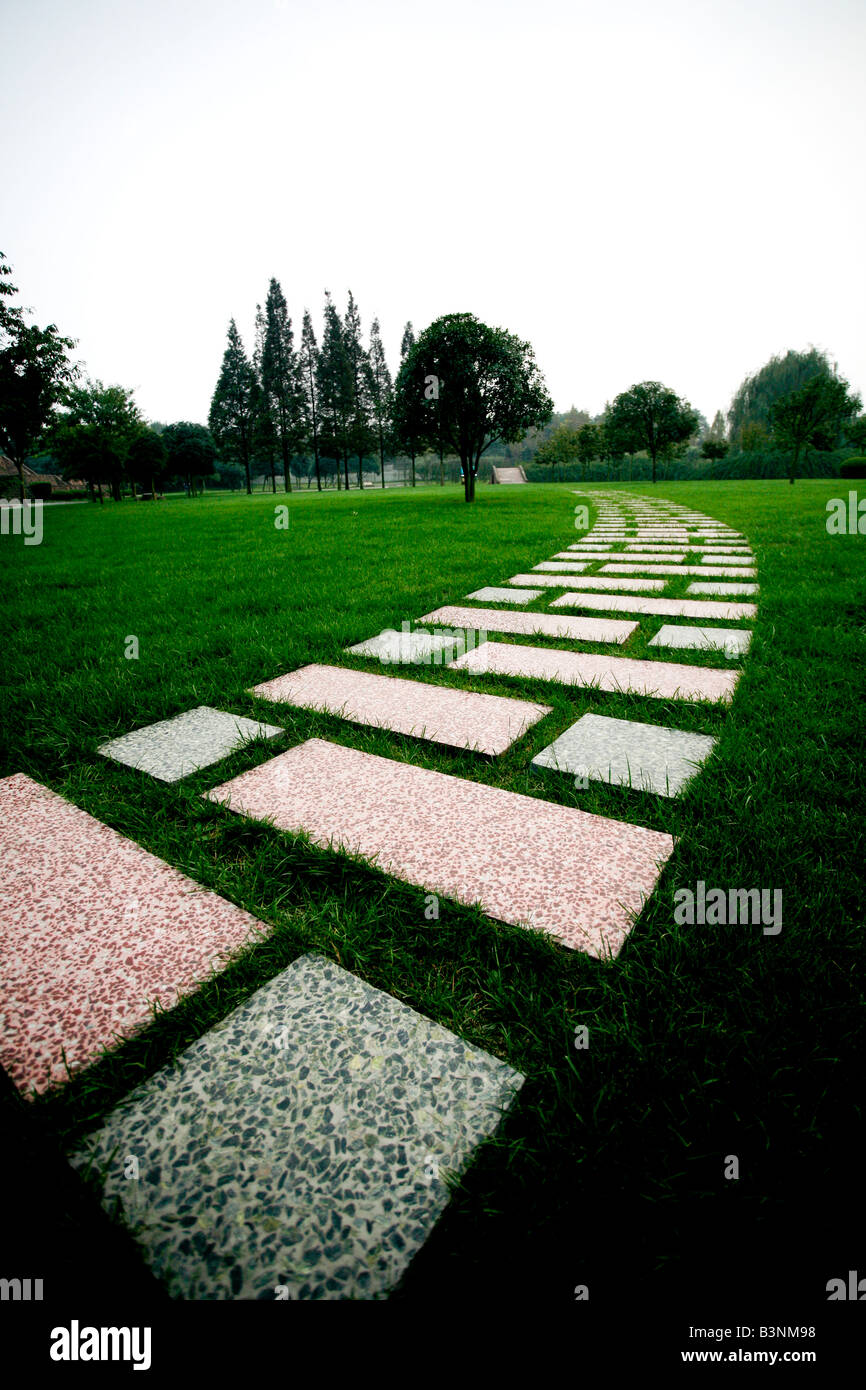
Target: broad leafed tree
x,y
465,385
650,416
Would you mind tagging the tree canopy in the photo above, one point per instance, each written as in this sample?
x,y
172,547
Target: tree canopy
x,y
649,416
35,376
813,415
466,385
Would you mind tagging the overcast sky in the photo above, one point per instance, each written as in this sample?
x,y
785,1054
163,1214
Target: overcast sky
x,y
670,191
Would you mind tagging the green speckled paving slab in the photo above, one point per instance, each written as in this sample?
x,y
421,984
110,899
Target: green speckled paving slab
x,y
300,1145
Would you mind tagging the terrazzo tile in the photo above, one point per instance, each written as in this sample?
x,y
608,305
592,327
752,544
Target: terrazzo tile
x,y
590,555
719,559
410,648
174,748
458,718
625,753
494,595
663,679
628,585
733,641
574,875
660,607
650,557
549,581
560,565
708,571
301,1143
93,931
718,586
541,624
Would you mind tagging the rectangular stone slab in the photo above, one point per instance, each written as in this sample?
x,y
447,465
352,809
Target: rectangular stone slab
x,y
410,648
494,595
708,571
718,586
625,753
631,586
176,747
649,557
301,1144
93,932
458,718
732,641
663,679
575,875
541,624
660,607
560,565
550,581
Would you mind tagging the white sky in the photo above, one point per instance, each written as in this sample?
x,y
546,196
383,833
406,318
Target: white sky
x,y
668,191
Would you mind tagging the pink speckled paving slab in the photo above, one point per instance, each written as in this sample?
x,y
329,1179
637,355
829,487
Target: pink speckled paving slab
x,y
529,624
665,680
459,718
706,571
93,931
575,875
661,607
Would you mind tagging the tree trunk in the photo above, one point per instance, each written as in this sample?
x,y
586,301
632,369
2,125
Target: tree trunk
x,y
316,457
346,466
249,479
413,467
361,472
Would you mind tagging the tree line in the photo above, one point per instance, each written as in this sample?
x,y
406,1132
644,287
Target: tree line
x,y
326,409
796,403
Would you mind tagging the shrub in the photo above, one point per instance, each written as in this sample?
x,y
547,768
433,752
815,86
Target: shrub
x,y
854,467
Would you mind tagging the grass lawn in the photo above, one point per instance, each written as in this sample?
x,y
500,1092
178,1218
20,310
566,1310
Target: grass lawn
x,y
705,1041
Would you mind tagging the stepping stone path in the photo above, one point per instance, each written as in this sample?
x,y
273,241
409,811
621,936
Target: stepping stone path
x,y
302,1143
195,739
626,753
534,624
731,640
93,932
459,718
563,871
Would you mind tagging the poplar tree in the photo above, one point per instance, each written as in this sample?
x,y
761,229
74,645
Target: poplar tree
x,y
360,439
281,378
381,392
232,410
334,384
308,361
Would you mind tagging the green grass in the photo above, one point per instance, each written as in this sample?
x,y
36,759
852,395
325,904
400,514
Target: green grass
x,y
704,1041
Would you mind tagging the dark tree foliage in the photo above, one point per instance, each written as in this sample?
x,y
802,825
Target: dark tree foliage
x,y
754,399
234,405
464,385
35,376
649,416
308,364
813,415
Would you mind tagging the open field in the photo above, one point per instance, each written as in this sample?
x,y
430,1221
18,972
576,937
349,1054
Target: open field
x,y
706,1041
